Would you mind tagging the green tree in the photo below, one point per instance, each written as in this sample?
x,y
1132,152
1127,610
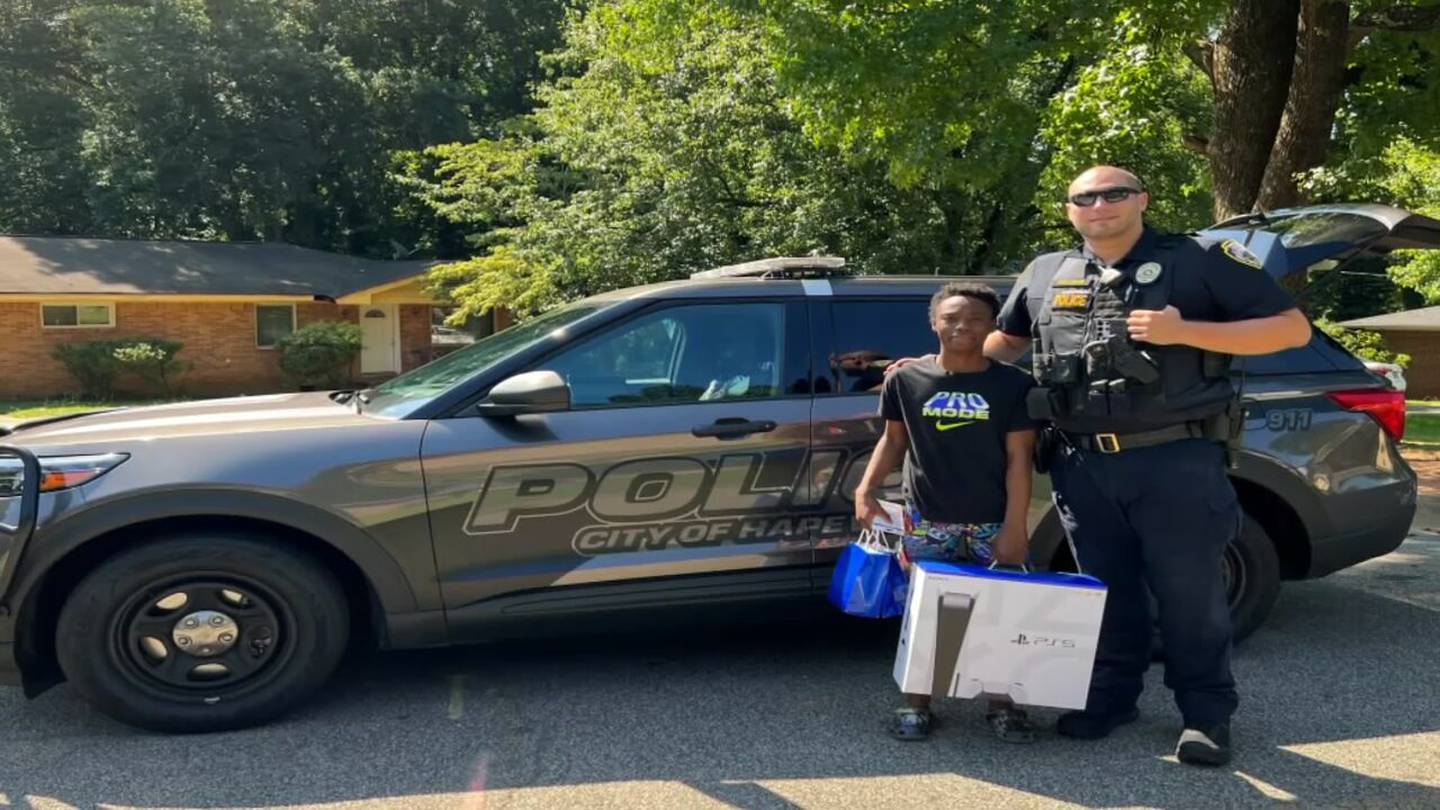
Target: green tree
x,y
952,91
635,170
251,119
42,119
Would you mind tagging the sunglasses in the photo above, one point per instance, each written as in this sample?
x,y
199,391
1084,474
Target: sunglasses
x,y
1085,199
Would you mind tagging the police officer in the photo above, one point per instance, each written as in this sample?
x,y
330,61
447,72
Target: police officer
x,y
1133,335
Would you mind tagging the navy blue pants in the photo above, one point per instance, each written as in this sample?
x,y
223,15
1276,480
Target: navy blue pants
x,y
1158,516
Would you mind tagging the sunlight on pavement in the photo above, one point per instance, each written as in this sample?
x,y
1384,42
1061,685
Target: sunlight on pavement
x,y
44,803
935,790
611,794
1266,789
1413,758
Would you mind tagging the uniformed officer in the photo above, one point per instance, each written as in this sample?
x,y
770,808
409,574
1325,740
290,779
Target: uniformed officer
x,y
1133,335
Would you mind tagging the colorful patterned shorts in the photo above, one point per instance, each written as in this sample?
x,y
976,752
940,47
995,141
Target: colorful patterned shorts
x,y
953,542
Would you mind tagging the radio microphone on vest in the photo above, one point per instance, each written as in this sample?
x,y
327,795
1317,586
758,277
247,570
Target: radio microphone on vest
x,y
1110,278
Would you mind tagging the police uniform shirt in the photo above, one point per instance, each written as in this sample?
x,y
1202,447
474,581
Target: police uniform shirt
x,y
1209,281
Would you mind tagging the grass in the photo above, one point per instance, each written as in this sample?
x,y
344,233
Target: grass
x,y
1422,403
1422,429
42,408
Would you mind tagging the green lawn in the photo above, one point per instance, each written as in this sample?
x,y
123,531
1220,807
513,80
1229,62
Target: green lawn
x,y
41,408
1422,429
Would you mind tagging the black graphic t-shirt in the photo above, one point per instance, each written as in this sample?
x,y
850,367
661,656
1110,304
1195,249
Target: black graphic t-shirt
x,y
955,467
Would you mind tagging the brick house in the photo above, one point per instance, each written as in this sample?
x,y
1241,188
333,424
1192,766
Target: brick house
x,y
228,303
1415,332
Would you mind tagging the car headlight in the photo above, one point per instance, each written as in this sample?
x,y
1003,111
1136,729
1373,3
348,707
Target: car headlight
x,y
57,472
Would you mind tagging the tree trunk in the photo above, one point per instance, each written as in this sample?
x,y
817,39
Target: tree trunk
x,y
952,205
1315,89
1253,60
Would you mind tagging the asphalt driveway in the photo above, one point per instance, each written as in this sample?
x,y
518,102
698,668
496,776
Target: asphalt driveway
x,y
1339,709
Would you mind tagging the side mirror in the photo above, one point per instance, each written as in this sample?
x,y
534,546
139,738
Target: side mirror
x,y
531,392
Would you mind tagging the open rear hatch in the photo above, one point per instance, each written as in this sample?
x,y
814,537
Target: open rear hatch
x,y
1293,242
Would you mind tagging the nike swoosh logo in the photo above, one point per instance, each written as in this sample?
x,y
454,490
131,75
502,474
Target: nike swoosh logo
x,y
942,427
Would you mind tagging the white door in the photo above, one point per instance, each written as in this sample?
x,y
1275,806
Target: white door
x,y
380,334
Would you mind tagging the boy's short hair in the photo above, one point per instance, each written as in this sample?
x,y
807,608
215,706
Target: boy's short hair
x,y
968,289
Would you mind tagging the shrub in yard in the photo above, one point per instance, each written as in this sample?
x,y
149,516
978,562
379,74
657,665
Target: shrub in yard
x,y
97,363
152,360
93,364
321,353
1363,344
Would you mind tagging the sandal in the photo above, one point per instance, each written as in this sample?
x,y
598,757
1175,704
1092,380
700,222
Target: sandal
x,y
1011,725
911,724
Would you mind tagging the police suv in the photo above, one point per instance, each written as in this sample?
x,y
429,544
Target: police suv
x,y
204,565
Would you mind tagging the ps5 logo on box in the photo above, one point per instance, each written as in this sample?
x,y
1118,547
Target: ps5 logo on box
x,y
1042,641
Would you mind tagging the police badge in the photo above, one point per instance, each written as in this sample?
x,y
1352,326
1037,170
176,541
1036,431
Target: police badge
x,y
1147,273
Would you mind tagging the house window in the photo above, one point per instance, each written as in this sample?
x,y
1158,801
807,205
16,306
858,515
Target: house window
x,y
273,322
77,316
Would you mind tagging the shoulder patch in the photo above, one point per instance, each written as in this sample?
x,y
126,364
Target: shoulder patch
x,y
1240,253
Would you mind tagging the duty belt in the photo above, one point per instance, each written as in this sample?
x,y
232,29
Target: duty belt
x,y
1116,442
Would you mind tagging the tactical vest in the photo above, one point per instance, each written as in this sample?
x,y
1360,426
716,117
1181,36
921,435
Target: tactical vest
x,y
1092,377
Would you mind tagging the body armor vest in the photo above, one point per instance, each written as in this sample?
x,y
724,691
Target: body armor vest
x,y
1093,378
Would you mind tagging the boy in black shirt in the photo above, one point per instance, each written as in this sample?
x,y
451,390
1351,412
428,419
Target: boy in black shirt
x,y
958,420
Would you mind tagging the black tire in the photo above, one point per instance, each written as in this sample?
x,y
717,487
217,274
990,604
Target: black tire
x,y
1251,569
1252,578
288,627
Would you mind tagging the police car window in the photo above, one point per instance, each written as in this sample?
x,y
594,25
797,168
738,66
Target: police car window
x,y
1320,355
681,354
868,335
1316,228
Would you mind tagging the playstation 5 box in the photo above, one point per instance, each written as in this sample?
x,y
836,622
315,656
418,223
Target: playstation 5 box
x,y
971,631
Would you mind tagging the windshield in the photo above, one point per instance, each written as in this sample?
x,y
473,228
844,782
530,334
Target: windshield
x,y
403,394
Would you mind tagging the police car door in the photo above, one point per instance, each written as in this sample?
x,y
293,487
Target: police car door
x,y
859,337
861,333
672,477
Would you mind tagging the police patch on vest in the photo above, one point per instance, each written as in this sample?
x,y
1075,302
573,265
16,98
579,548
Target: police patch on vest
x,y
1147,273
1241,254
1071,282
1070,300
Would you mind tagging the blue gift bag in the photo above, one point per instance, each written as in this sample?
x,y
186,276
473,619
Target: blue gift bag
x,y
868,580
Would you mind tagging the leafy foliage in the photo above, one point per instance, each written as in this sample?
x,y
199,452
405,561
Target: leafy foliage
x,y
154,361
97,364
93,364
1363,343
320,353
250,119
633,172
670,135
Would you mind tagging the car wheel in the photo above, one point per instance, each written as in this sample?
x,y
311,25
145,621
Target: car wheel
x,y
1251,572
202,632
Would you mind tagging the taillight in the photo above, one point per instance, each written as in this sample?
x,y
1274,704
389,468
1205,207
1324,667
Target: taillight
x,y
1386,407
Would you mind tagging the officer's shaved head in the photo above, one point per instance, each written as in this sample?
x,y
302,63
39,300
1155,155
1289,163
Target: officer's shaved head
x,y
1106,204
1105,176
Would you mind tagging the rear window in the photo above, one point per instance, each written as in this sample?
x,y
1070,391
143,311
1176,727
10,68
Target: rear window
x,y
868,335
1320,228
1321,354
